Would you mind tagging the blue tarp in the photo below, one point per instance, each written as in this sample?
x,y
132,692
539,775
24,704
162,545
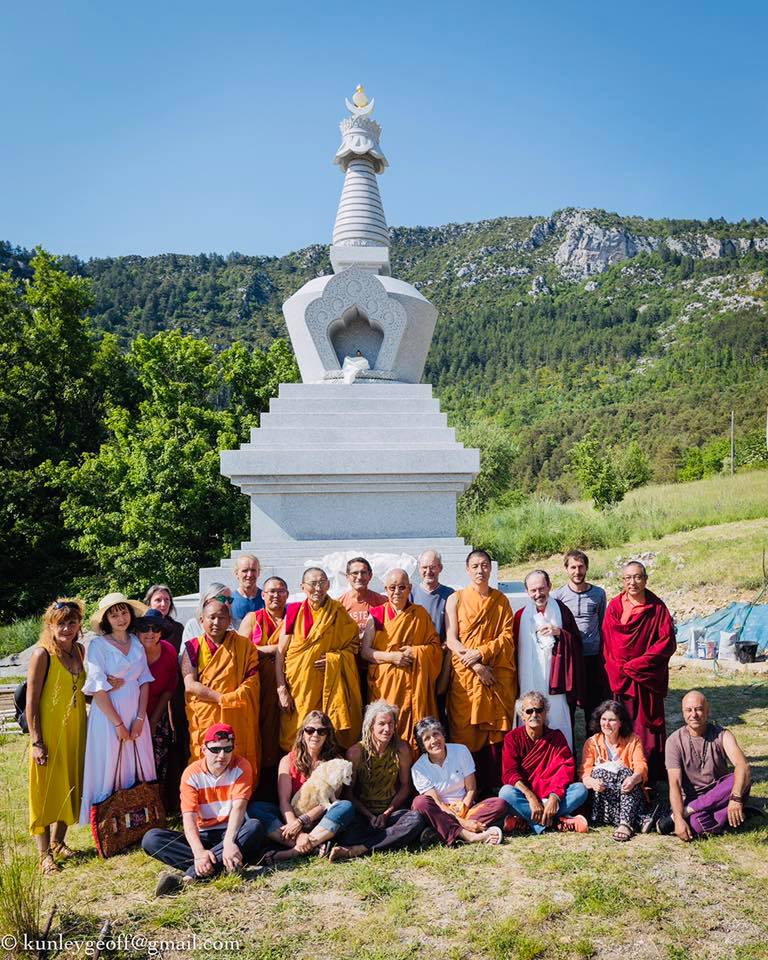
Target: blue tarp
x,y
751,620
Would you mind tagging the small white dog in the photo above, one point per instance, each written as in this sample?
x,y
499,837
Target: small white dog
x,y
323,786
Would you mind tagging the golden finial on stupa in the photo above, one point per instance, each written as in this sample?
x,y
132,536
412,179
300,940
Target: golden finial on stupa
x,y
358,97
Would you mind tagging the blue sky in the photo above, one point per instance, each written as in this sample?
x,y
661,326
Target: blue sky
x,y
188,127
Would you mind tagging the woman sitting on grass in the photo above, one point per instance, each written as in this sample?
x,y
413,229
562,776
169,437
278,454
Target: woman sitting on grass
x,y
314,744
614,768
56,719
444,776
381,789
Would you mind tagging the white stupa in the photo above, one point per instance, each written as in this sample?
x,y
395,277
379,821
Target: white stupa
x,y
358,458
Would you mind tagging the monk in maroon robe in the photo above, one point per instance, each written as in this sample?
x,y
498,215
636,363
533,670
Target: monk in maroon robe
x,y
638,640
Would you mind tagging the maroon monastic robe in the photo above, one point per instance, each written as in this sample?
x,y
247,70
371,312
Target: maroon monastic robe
x,y
637,663
566,672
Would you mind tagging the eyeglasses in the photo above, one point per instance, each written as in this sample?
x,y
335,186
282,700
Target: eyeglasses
x,y
315,583
396,588
222,598
66,605
530,711
219,749
634,576
320,731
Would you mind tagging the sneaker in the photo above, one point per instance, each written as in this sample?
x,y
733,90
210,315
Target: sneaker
x,y
578,824
428,837
168,884
515,824
665,824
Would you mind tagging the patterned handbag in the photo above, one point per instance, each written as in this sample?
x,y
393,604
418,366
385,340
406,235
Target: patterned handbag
x,y
127,814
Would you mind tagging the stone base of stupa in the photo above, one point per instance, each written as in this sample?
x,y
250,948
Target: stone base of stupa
x,y
340,469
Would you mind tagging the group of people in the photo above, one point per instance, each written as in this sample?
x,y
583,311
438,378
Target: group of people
x,y
265,699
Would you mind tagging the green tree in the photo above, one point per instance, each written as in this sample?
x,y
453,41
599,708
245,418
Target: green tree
x,y
598,477
51,405
152,504
633,466
497,454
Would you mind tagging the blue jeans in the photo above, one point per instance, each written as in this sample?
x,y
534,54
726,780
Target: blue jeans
x,y
575,796
337,817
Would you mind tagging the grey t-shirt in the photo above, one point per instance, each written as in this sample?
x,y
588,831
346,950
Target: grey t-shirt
x,y
685,753
433,603
588,609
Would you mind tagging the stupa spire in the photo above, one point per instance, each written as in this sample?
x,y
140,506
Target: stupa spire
x,y
360,235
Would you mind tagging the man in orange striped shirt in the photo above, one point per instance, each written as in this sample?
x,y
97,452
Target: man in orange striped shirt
x,y
215,791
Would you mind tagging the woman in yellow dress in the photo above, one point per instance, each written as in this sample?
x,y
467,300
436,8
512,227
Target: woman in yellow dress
x,y
56,718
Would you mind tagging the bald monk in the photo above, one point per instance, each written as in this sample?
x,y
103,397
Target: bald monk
x,y
405,655
221,679
315,664
483,682
638,641
263,628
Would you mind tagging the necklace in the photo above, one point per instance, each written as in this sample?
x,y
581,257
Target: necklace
x,y
701,757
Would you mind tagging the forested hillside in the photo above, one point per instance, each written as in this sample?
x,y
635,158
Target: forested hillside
x,y
650,330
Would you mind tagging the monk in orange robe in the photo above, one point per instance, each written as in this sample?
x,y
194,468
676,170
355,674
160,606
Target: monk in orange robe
x,y
221,679
483,684
315,664
405,656
263,628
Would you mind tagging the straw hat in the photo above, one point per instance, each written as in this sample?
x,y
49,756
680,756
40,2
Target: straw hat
x,y
111,600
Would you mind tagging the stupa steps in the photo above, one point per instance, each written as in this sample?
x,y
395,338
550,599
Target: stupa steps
x,y
352,392
353,407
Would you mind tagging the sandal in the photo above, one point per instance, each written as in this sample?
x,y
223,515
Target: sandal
x,y
622,833
324,849
62,851
48,866
268,860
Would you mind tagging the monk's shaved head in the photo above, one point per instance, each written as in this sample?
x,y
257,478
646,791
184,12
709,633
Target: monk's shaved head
x,y
396,573
635,563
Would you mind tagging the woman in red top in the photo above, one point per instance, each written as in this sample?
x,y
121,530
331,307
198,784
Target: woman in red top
x,y
164,667
314,744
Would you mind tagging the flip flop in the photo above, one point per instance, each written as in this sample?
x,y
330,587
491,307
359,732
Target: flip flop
x,y
494,836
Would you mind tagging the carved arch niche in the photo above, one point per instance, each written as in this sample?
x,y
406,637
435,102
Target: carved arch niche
x,y
354,313
353,334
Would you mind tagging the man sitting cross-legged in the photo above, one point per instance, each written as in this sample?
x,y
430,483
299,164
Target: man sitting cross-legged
x,y
214,794
705,797
539,771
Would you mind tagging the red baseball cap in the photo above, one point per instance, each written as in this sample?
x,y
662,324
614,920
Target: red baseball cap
x,y
219,731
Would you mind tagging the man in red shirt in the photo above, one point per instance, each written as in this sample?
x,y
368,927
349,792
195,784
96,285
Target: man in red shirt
x,y
638,640
214,794
539,771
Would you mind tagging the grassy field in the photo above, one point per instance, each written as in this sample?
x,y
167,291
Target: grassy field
x,y
17,636
539,528
558,897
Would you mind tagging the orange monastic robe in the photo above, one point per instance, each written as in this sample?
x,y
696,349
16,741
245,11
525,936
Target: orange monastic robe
x,y
332,633
232,669
413,690
480,715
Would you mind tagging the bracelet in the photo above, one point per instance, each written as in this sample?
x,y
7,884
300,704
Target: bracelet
x,y
141,718
736,798
39,743
118,725
305,819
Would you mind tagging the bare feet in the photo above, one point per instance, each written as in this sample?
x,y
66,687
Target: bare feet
x,y
347,853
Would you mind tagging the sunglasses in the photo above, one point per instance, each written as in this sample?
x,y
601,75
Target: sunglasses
x,y
66,605
219,749
320,731
530,711
223,599
150,628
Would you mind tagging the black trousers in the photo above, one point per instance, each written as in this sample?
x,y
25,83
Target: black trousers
x,y
403,828
595,687
171,847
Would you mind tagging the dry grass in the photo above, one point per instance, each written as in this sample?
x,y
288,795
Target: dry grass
x,y
556,897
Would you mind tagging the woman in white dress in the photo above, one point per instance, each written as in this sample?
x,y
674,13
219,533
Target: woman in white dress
x,y
118,678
